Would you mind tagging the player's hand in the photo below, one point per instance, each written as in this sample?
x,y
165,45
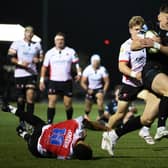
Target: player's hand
x,y
42,86
77,78
36,60
139,76
24,64
90,91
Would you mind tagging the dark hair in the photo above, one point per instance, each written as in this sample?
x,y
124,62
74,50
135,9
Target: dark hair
x,y
60,34
164,8
82,152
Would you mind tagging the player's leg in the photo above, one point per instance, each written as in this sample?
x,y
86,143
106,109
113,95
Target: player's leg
x,y
68,107
67,93
145,130
150,112
100,103
20,94
148,116
159,85
52,98
119,115
30,95
88,107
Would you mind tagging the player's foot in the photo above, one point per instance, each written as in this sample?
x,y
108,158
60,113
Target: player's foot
x,y
161,133
29,128
147,137
86,117
109,141
8,108
21,131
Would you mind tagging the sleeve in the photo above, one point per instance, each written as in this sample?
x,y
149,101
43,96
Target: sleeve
x,y
85,72
14,45
40,50
124,53
46,61
104,72
75,58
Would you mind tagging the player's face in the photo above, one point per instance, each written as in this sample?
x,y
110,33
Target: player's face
x,y
96,64
59,42
28,35
163,19
134,31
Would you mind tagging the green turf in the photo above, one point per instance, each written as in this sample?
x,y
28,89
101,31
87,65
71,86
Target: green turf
x,y
131,151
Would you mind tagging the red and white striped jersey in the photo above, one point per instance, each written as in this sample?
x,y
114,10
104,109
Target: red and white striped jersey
x,y
60,62
60,138
135,59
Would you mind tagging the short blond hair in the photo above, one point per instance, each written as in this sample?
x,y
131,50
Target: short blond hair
x,y
29,28
136,20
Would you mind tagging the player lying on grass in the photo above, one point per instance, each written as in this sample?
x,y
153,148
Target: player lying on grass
x,y
64,140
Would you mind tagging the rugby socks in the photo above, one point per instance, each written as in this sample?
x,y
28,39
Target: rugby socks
x,y
130,125
30,108
87,112
69,113
21,107
163,112
50,115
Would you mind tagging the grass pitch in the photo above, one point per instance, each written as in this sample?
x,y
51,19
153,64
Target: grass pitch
x,y
131,151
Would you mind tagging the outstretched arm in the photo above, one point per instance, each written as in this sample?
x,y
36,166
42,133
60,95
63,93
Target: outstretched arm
x,y
94,125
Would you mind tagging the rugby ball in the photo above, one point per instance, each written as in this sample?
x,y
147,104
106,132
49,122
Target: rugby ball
x,y
151,34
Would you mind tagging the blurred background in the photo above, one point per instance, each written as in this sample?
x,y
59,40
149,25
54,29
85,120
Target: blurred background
x,y
90,26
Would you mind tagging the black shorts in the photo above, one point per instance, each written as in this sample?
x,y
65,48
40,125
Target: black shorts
x,y
60,88
24,83
129,93
149,72
92,97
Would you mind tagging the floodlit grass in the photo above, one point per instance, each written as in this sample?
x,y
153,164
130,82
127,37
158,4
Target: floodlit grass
x,y
131,151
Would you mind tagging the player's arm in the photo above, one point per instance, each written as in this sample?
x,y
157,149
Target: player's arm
x,y
12,55
84,83
42,78
126,70
106,83
138,44
94,125
155,43
79,71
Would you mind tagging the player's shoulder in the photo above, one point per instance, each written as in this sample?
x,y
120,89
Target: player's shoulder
x,y
69,49
88,68
126,43
51,50
103,69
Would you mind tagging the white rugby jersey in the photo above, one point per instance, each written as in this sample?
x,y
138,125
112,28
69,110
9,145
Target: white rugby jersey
x,y
95,76
136,61
60,62
26,52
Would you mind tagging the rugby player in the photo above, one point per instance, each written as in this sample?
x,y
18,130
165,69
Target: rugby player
x,y
154,77
64,140
25,54
95,81
59,61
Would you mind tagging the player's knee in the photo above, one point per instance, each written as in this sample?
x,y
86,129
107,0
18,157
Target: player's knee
x,y
21,100
146,121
